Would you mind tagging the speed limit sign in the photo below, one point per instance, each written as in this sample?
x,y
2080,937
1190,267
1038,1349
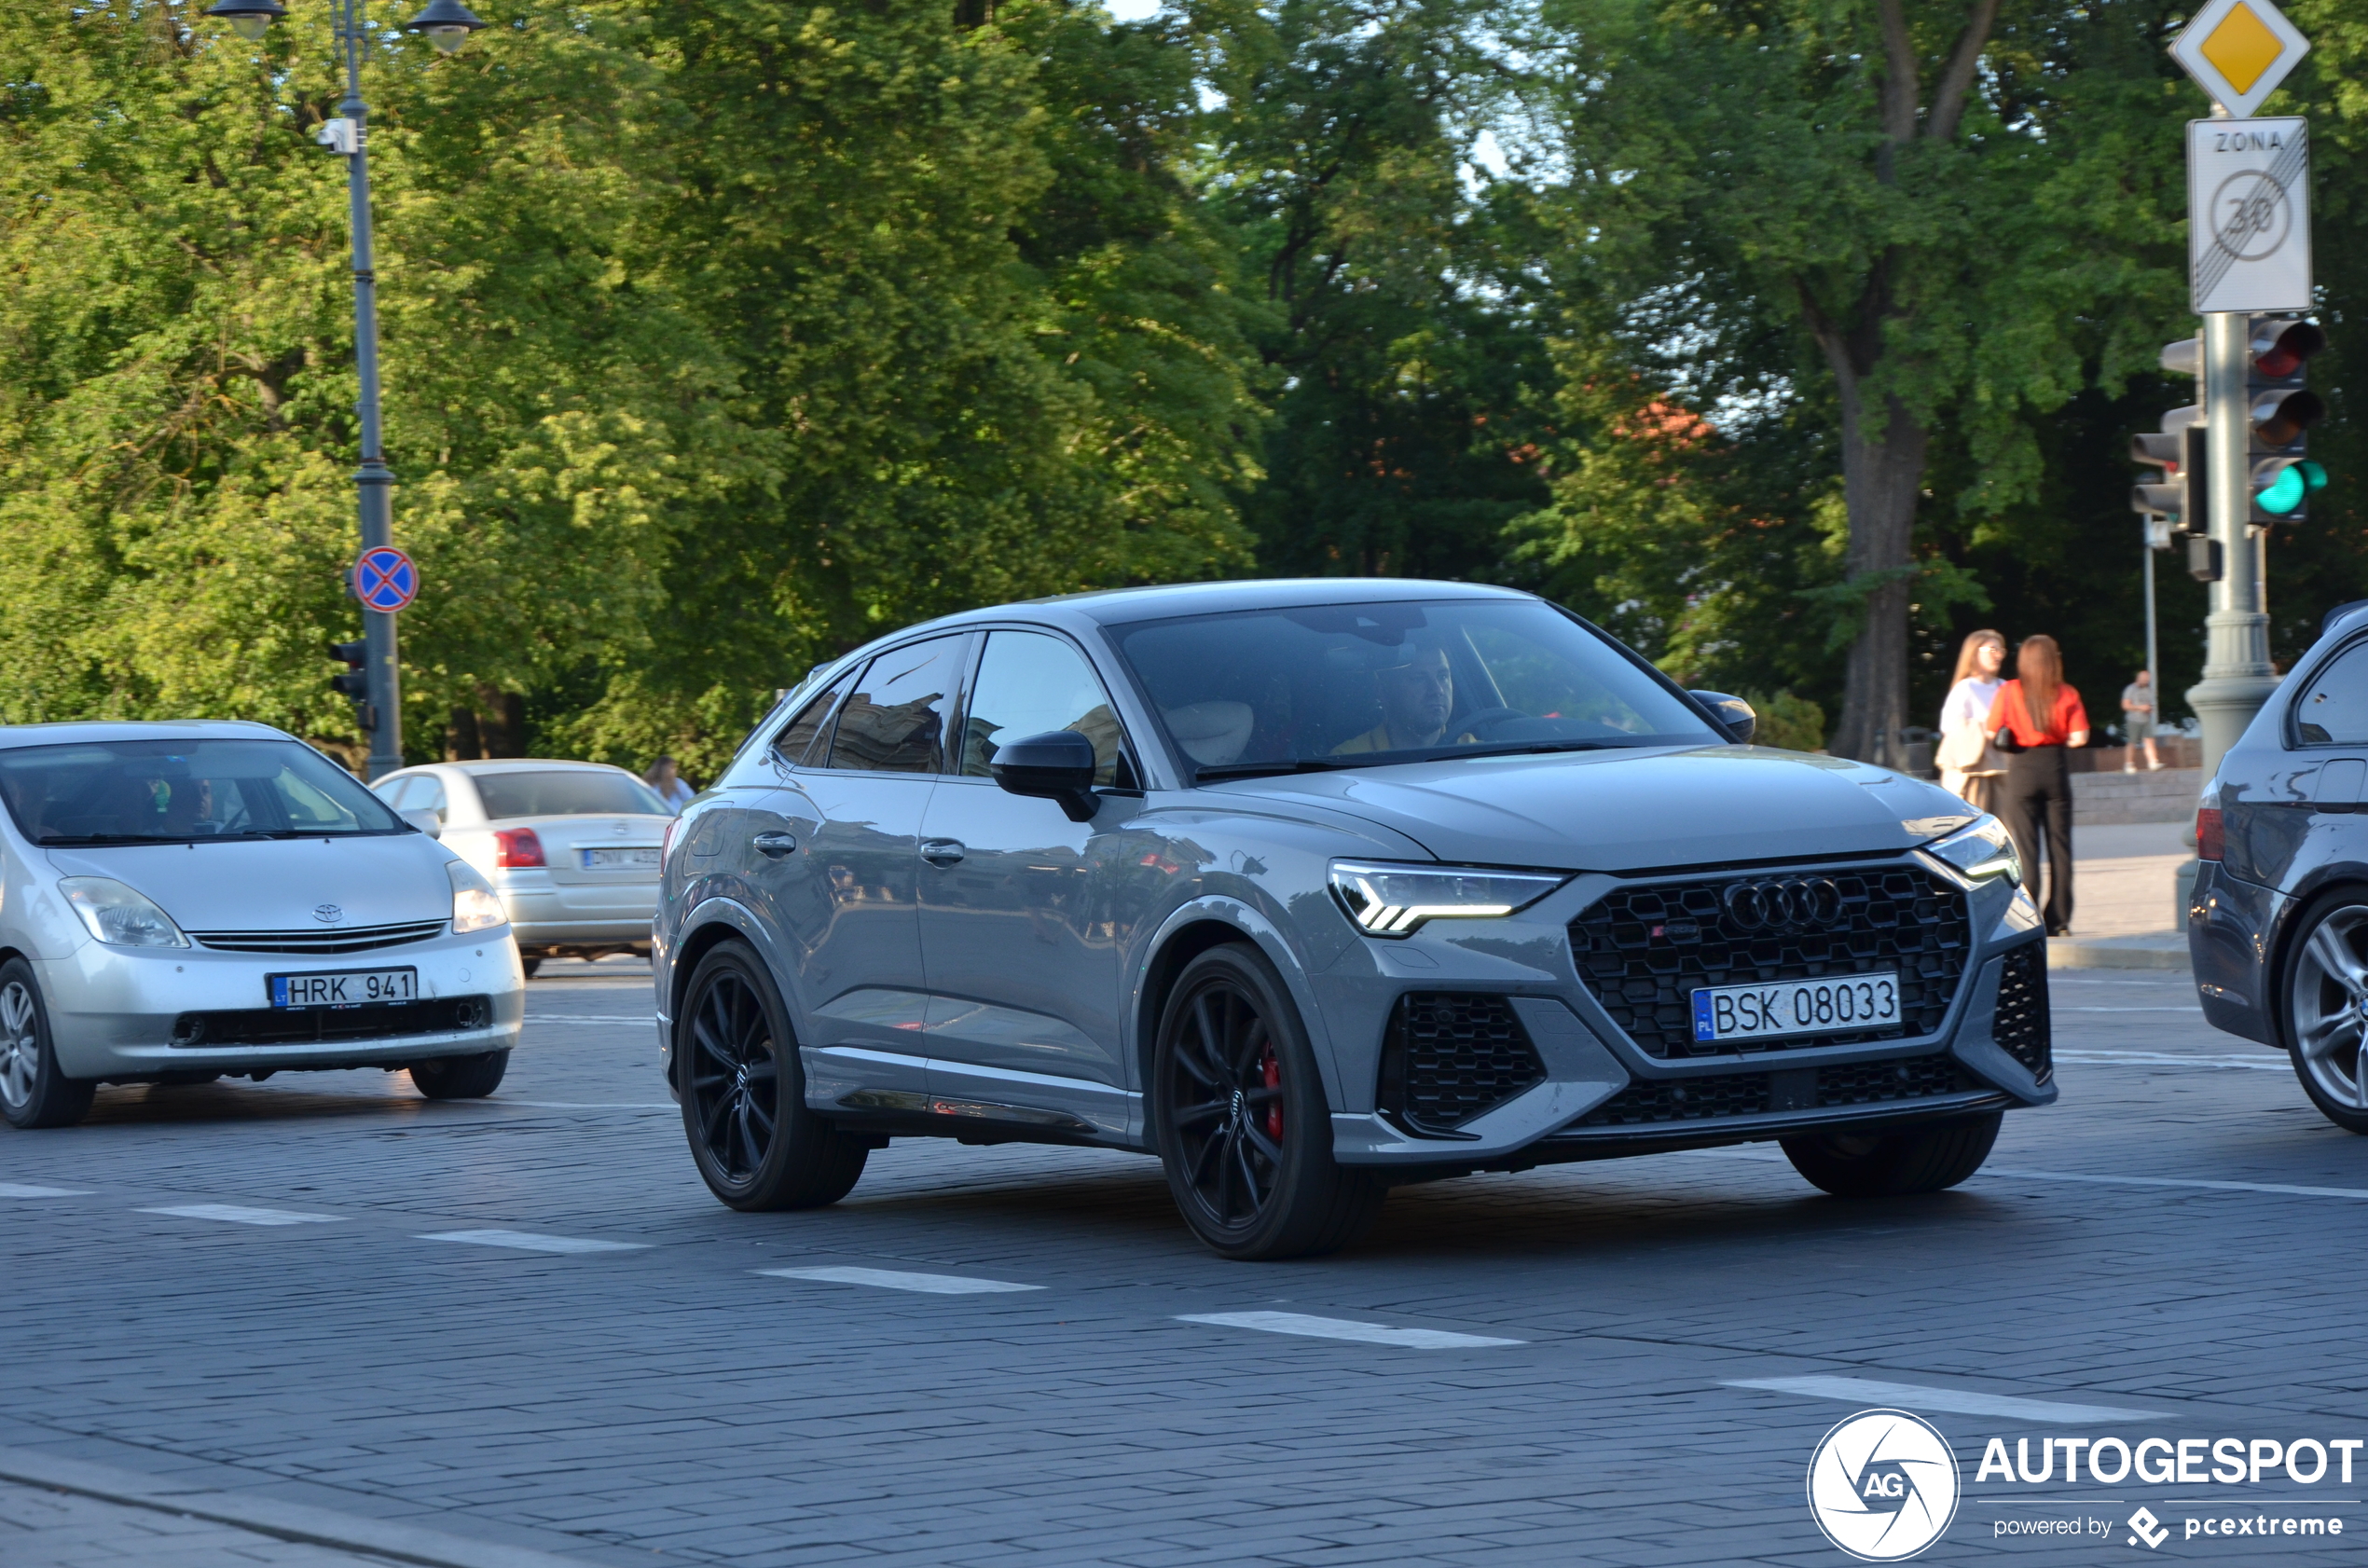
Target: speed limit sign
x,y
2248,214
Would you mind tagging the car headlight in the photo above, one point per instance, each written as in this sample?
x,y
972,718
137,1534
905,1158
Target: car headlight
x,y
476,907
1387,901
119,916
1980,852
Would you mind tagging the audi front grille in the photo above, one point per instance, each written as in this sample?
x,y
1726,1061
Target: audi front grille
x,y
1644,948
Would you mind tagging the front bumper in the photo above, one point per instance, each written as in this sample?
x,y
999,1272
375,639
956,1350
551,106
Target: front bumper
x,y
1601,1095
113,1011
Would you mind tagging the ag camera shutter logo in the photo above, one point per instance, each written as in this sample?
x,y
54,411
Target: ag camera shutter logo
x,y
1882,1485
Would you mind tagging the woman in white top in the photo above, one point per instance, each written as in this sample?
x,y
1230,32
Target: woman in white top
x,y
1969,765
671,787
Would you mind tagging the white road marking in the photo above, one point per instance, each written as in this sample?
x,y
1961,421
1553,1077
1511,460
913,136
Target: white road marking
x,y
2169,1059
579,1105
1343,1328
897,1279
2130,1009
527,1241
591,1017
1909,1395
236,1214
2282,1188
15,1189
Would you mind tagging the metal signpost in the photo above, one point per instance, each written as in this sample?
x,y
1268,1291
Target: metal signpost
x,y
2249,249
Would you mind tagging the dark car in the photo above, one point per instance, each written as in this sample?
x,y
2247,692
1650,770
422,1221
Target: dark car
x,y
1312,888
2278,926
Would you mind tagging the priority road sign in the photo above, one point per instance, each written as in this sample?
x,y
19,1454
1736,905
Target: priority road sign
x,y
2248,214
2239,51
384,579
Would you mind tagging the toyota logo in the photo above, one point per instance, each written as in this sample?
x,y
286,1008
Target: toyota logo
x,y
1793,906
327,913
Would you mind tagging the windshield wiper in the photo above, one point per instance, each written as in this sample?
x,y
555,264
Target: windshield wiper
x,y
1529,747
1255,770
73,839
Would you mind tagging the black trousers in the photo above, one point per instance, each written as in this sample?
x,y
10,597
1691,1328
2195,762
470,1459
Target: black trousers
x,y
2038,797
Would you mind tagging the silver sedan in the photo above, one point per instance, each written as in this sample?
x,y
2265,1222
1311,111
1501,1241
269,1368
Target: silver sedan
x,y
182,901
571,848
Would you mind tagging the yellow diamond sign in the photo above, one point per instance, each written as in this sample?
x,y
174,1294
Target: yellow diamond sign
x,y
2239,51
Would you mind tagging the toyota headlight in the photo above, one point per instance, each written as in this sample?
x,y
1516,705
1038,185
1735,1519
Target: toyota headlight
x,y
1980,852
1387,901
476,907
119,915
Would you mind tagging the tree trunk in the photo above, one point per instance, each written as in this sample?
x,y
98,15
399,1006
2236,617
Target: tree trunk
x,y
502,722
1882,474
462,742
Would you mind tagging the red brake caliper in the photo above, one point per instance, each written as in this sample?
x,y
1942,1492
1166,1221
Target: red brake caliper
x,y
1272,1071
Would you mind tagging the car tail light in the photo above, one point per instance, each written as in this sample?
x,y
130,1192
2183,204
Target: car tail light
x,y
2209,833
666,845
518,847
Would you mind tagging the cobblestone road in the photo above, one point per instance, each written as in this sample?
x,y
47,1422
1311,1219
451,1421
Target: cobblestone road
x,y
490,1331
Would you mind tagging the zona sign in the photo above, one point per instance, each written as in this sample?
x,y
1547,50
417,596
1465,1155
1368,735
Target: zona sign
x,y
384,579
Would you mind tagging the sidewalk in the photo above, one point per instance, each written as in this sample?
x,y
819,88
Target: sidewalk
x,y
2125,910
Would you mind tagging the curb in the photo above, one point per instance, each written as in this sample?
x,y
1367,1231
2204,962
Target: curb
x,y
2118,953
265,1516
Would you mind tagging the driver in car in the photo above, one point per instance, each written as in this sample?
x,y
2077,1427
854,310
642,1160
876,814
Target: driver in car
x,y
1417,696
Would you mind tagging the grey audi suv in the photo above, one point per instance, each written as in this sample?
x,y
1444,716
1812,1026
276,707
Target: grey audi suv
x,y
1310,888
2277,924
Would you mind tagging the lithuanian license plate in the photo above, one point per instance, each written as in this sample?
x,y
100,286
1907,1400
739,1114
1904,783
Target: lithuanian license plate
x,y
344,988
601,860
1840,1004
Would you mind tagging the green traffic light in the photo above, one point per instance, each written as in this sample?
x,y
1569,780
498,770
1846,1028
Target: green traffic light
x,y
2313,474
2285,492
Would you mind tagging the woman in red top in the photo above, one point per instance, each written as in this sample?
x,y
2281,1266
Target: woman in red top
x,y
2034,717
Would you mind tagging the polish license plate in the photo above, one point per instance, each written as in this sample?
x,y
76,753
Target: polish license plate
x,y
604,860
1839,1005
344,988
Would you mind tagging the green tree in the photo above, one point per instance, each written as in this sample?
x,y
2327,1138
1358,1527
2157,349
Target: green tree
x,y
1958,209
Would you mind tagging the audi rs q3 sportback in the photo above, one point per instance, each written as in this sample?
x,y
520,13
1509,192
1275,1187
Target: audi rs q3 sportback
x,y
1314,887
2278,923
179,901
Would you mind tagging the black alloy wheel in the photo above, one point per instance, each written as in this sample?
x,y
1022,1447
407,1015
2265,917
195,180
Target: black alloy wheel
x,y
756,1143
1242,1125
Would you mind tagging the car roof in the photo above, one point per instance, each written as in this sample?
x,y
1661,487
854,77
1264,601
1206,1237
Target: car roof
x,y
1118,606
84,731
475,766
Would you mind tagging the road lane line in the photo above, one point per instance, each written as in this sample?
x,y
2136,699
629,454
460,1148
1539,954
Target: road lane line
x,y
2130,1009
897,1279
1911,1395
18,1190
527,1240
2009,1173
2170,1059
1343,1328
236,1214
580,1104
591,1017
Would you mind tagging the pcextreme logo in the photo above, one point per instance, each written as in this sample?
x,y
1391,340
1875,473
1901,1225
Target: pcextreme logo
x,y
1882,1485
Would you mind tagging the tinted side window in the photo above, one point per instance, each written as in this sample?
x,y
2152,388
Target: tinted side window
x,y
894,721
1028,683
2333,711
796,740
394,789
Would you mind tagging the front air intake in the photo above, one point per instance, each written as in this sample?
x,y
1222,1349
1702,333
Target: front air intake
x,y
1448,1058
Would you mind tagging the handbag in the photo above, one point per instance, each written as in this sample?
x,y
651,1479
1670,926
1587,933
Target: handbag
x,y
1961,749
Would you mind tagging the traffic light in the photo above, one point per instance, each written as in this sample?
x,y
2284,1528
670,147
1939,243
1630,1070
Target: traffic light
x,y
355,681
2178,450
2280,411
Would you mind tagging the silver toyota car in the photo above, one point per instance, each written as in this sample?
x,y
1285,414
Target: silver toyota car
x,y
1314,887
180,901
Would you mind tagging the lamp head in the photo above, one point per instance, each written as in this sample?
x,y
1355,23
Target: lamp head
x,y
249,18
447,23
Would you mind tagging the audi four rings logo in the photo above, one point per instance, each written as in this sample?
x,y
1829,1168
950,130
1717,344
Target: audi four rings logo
x,y
1780,907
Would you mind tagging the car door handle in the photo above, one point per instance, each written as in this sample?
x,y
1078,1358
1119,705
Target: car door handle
x,y
774,845
941,851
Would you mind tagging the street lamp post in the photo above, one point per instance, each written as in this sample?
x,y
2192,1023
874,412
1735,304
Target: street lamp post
x,y
448,24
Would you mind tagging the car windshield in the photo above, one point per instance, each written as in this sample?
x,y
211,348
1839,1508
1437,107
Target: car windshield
x,y
1354,684
566,792
175,792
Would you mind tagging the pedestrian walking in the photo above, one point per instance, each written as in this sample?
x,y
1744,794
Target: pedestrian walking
x,y
2138,718
2035,719
671,787
1970,766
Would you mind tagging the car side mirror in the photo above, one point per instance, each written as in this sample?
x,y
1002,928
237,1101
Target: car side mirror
x,y
1058,765
426,821
1734,715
